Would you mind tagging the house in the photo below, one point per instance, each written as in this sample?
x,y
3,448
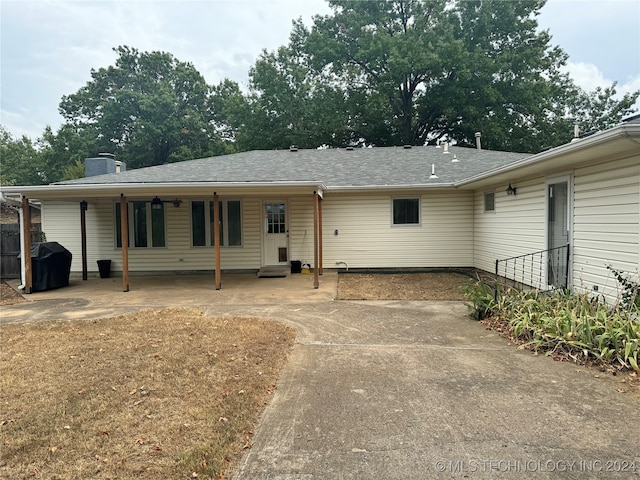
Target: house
x,y
383,207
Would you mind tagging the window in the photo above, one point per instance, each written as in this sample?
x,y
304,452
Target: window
x,y
202,224
406,211
489,202
146,225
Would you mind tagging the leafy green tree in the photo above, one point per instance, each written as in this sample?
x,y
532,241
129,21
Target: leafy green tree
x,y
148,109
413,71
20,161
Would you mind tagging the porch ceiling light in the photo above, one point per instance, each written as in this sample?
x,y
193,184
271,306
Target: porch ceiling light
x,y
156,203
511,190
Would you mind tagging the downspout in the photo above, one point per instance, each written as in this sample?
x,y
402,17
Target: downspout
x,y
18,204
23,265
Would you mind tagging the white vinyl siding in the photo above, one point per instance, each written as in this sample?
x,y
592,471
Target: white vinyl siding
x,y
517,227
606,224
366,239
63,224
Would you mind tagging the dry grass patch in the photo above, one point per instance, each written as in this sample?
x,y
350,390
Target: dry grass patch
x,y
401,286
8,296
153,394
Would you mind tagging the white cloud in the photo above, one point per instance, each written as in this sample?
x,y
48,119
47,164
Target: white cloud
x,y
588,77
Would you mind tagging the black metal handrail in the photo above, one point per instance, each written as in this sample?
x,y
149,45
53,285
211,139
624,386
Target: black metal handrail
x,y
543,270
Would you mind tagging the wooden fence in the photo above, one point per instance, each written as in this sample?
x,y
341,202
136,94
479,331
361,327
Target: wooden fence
x,y
10,248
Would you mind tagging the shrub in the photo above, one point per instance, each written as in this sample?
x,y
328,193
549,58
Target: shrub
x,y
577,326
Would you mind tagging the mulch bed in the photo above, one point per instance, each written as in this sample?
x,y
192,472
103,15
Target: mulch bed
x,y
402,286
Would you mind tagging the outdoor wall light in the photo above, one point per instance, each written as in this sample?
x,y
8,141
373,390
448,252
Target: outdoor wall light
x,y
84,205
511,190
156,203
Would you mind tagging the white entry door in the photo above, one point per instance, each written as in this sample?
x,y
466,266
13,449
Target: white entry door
x,y
275,243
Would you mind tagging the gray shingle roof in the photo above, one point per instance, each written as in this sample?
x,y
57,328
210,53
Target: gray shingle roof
x,y
360,167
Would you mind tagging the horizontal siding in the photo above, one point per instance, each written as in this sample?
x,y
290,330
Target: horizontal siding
x,y
62,224
366,239
516,227
606,224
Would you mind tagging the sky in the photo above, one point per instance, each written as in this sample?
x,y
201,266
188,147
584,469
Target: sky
x,y
48,48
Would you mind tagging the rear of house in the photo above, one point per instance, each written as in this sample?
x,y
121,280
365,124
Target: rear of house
x,y
578,205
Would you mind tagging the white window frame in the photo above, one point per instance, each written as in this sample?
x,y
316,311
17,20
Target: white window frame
x,y
207,223
131,226
407,197
484,202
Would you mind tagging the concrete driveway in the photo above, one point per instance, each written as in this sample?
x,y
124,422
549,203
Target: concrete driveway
x,y
405,390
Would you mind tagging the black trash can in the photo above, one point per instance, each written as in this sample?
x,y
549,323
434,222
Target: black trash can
x,y
296,266
50,266
104,267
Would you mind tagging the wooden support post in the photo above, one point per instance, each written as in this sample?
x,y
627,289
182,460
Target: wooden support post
x,y
83,237
316,269
320,200
26,245
216,235
124,230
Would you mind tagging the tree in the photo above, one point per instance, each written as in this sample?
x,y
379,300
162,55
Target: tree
x,y
413,71
148,109
21,162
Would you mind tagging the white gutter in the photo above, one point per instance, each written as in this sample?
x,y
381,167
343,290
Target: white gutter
x,y
582,144
364,188
155,187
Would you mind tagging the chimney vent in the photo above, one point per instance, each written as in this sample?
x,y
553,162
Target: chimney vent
x,y
478,144
102,164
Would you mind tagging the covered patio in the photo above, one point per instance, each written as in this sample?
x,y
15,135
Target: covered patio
x,y
98,297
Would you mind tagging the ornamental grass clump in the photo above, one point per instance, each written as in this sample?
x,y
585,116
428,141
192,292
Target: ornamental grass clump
x,y
580,327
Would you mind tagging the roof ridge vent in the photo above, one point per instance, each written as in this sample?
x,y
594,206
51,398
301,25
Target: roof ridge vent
x,y
349,148
407,147
455,159
293,148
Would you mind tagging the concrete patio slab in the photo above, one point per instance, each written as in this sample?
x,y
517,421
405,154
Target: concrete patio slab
x,y
394,389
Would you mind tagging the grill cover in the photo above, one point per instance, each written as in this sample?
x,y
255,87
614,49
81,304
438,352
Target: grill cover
x,y
50,266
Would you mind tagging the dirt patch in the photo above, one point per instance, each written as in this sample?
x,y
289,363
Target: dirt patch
x,y
401,286
153,394
8,296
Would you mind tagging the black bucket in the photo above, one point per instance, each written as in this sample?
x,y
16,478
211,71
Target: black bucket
x,y
104,267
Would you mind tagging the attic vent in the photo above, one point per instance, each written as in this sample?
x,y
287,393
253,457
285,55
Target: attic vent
x,y
455,159
349,149
433,171
293,148
407,147
478,144
446,147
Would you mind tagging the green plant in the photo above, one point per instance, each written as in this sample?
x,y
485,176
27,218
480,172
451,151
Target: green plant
x,y
576,326
629,297
481,297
